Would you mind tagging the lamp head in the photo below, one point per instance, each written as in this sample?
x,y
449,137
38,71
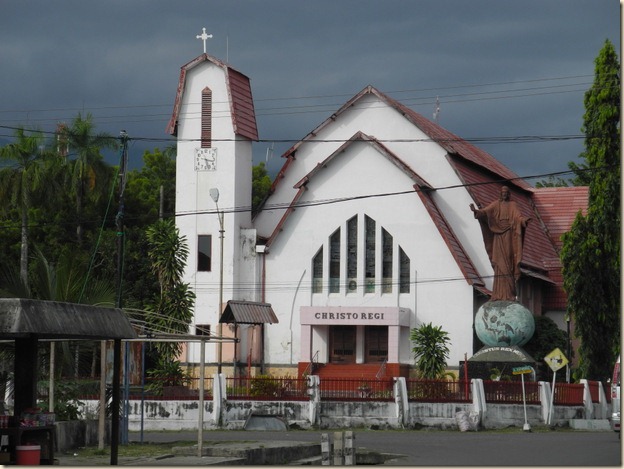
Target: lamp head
x,y
214,194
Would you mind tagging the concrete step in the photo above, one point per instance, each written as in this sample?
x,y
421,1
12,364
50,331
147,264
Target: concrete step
x,y
600,425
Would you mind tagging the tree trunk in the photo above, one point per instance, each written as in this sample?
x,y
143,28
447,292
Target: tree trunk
x,y
24,247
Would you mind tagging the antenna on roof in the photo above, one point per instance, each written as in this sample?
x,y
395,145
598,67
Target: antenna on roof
x,y
436,110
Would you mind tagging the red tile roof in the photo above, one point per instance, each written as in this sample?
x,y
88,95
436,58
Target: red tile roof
x,y
558,206
239,89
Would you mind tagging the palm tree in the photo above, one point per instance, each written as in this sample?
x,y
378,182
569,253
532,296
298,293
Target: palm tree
x,y
173,309
430,350
26,157
88,164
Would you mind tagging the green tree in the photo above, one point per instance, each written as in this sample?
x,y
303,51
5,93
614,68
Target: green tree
x,y
430,350
142,204
551,181
260,186
87,165
172,310
546,338
26,158
591,249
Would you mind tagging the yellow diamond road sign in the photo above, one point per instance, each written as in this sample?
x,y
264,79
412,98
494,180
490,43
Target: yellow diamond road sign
x,y
556,360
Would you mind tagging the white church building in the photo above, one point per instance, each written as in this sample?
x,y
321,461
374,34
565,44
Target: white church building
x,y
366,234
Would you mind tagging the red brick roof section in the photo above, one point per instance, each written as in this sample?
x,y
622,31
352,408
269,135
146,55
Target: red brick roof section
x,y
558,207
239,89
455,247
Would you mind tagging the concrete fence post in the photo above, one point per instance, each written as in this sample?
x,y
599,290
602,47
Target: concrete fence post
x,y
479,405
544,393
338,449
349,449
219,396
325,450
315,399
587,400
401,400
603,405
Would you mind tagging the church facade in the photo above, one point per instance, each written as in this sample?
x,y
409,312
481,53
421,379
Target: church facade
x,y
365,235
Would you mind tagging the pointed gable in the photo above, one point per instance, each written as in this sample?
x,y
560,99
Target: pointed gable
x,y
239,90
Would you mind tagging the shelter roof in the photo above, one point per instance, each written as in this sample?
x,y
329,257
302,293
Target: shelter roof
x,y
248,312
239,89
24,318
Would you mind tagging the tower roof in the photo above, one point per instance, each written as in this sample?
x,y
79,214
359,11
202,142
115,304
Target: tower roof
x,y
239,90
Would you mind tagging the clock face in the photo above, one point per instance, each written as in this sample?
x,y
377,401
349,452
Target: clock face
x,y
205,159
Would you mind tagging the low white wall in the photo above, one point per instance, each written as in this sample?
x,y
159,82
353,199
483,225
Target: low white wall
x,y
154,415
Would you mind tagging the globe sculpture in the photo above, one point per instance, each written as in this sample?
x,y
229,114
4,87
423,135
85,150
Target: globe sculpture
x,y
504,323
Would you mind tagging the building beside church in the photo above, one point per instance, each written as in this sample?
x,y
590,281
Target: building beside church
x,y
366,233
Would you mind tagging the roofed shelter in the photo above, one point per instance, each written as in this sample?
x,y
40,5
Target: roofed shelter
x,y
27,321
248,312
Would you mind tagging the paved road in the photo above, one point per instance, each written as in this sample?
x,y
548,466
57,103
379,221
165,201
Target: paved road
x,y
445,448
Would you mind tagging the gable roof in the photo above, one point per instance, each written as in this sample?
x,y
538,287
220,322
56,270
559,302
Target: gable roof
x,y
382,149
357,137
239,90
248,312
454,245
421,187
447,140
479,172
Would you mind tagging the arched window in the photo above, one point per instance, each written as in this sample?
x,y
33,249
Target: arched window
x,y
365,260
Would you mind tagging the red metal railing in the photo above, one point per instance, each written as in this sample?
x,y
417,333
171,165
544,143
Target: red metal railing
x,y
267,389
336,389
422,390
511,392
594,390
568,394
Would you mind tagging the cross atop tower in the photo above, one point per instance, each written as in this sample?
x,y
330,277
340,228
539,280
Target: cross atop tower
x,y
203,36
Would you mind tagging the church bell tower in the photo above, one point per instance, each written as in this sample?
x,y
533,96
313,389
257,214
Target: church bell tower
x,y
214,123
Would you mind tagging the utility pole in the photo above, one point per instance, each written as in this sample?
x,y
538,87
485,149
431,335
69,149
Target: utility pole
x,y
123,137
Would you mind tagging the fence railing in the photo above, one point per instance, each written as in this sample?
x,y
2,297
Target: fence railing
x,y
422,390
511,392
267,389
569,394
341,389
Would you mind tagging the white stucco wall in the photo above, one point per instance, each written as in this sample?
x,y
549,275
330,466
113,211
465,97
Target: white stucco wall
x,y
439,295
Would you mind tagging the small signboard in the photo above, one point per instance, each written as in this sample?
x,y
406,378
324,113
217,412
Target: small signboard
x,y
556,360
522,370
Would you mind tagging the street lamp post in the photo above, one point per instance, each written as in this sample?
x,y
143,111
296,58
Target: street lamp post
x,y
214,194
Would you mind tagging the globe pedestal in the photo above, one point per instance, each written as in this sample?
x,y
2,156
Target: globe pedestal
x,y
503,326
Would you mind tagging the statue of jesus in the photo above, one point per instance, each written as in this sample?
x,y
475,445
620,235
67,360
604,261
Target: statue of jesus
x,y
503,227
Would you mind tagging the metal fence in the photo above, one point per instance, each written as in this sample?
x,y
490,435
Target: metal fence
x,y
569,394
270,388
342,389
503,392
424,390
267,389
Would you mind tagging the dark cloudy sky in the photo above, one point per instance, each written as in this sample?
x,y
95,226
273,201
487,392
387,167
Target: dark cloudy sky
x,y
502,70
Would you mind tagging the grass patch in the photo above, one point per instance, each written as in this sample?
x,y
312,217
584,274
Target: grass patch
x,y
133,449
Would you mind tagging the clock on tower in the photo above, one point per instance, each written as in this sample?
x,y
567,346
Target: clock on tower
x,y
205,159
